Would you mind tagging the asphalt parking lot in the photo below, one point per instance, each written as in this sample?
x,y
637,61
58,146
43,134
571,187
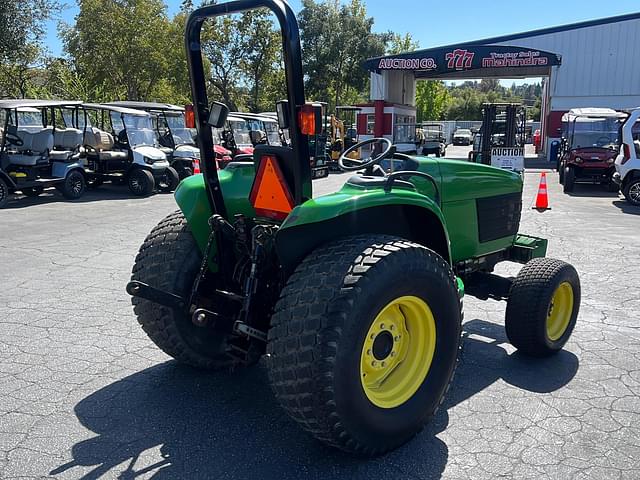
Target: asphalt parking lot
x,y
85,394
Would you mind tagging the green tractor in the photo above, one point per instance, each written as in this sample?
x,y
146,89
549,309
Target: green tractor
x,y
354,298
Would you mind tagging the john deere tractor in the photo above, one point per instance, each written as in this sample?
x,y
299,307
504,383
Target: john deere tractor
x,y
354,298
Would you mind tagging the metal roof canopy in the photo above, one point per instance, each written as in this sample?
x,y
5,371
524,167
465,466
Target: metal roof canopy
x,y
11,104
469,61
114,108
147,106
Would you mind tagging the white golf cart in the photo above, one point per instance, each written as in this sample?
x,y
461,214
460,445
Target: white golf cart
x,y
433,140
175,139
38,150
263,129
122,146
627,162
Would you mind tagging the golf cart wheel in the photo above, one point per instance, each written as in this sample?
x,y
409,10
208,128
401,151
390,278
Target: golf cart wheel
x,y
73,186
185,172
543,306
32,191
569,180
364,342
169,259
141,182
4,193
169,180
631,191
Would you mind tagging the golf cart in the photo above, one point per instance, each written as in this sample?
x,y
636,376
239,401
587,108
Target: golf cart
x,y
408,138
263,130
174,138
589,147
122,146
344,133
433,139
355,296
235,137
627,174
36,151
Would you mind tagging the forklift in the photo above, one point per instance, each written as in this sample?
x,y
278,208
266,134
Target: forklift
x,y
344,133
503,125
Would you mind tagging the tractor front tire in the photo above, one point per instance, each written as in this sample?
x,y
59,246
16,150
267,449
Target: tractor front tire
x,y
364,342
169,259
543,306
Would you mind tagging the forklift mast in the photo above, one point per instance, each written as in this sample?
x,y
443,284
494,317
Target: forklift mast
x,y
514,117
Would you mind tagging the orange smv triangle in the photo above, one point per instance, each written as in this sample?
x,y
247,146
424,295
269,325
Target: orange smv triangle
x,y
270,196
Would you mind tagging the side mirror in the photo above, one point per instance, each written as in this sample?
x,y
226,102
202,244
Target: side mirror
x,y
217,114
282,110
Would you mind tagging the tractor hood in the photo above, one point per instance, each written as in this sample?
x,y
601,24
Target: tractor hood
x,y
462,180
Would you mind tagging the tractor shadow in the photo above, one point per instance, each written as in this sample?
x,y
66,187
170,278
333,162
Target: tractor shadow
x,y
626,207
228,425
51,195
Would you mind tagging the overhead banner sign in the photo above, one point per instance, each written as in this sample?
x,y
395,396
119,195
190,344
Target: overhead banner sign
x,y
470,57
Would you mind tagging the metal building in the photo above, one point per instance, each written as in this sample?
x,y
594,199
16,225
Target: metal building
x,y
587,64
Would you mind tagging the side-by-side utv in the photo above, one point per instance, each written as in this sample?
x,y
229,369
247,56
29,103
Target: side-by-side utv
x,y
356,296
38,149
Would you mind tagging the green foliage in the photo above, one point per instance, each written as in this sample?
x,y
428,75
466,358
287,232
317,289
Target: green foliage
x,y
401,43
336,39
432,99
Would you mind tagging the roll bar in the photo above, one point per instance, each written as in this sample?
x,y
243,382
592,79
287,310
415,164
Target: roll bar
x,y
295,93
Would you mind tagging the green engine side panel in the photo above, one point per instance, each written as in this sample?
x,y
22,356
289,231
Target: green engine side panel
x,y
462,183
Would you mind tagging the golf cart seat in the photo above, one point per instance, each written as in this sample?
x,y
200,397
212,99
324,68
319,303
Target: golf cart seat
x,y
66,143
103,143
34,148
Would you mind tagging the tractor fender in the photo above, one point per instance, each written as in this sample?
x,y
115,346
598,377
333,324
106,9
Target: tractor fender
x,y
401,212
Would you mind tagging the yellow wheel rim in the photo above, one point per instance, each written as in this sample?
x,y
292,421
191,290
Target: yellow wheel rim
x,y
397,352
560,310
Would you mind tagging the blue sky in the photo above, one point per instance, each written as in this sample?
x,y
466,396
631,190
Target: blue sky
x,y
435,23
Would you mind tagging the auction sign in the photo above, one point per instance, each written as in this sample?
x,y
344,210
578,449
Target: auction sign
x,y
508,158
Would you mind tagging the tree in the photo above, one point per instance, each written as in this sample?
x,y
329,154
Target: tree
x,y
432,99
120,46
401,43
21,32
336,39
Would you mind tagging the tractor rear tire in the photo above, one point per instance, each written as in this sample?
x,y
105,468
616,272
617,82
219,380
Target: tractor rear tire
x,y
543,306
569,180
333,328
169,259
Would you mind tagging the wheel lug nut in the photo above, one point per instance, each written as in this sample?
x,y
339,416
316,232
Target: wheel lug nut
x,y
382,325
374,363
391,327
373,336
397,338
368,352
393,354
383,364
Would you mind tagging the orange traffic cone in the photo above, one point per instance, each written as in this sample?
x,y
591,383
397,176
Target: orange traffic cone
x,y
542,199
196,166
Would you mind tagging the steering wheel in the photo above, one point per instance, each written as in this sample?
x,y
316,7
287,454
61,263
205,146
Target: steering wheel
x,y
603,141
14,139
357,163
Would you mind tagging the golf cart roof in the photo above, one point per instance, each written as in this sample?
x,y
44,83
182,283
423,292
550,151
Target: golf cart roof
x,y
348,108
254,116
20,103
591,113
114,108
235,118
147,106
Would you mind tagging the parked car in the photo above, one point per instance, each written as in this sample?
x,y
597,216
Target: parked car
x,y
174,138
627,162
462,136
38,149
122,146
590,145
